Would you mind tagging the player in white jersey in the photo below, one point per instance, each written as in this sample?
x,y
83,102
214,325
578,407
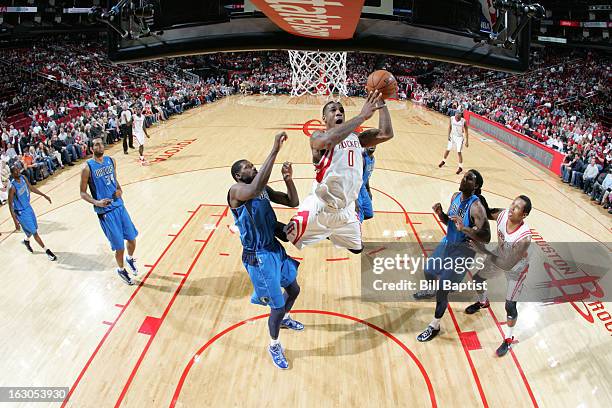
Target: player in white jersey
x,y
139,131
510,257
329,211
457,128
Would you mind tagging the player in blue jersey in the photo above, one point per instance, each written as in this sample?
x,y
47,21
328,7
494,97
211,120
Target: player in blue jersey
x,y
466,220
364,201
100,175
264,258
22,212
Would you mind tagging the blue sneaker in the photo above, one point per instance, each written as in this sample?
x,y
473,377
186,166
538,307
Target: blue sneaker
x,y
125,277
278,357
132,264
291,324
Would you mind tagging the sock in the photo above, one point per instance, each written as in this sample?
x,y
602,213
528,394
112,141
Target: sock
x,y
482,297
509,332
274,342
460,165
286,316
141,157
120,269
44,249
443,160
129,258
435,323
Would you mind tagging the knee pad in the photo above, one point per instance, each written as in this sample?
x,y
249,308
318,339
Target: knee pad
x,y
511,311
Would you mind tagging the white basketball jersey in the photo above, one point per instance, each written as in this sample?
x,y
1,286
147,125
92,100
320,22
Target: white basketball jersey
x,y
138,124
507,240
339,174
457,127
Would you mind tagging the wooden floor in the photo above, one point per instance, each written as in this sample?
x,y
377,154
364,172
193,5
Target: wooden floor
x,y
187,336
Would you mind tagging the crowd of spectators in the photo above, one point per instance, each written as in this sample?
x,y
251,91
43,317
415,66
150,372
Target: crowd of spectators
x,y
55,96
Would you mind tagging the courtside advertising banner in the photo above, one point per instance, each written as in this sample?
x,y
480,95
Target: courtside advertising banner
x,y
325,19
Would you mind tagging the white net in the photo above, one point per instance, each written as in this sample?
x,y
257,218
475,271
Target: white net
x,y
318,73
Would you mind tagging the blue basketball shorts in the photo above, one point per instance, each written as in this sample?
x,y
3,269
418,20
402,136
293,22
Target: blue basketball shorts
x,y
365,205
27,220
118,227
448,262
270,271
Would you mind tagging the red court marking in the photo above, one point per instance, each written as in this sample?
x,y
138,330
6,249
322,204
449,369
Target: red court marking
x,y
296,258
217,215
118,305
376,251
190,211
108,323
336,259
166,311
416,223
230,230
469,358
470,340
95,352
172,235
199,240
518,365
178,274
418,363
150,325
223,254
516,362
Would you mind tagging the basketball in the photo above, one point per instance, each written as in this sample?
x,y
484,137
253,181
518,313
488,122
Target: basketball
x,y
384,81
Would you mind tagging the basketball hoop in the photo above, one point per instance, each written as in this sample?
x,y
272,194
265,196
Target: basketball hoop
x,y
318,73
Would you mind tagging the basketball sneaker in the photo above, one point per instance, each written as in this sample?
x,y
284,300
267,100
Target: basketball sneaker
x,y
27,245
424,294
471,309
504,348
442,163
428,334
289,323
278,356
51,255
132,264
459,170
124,276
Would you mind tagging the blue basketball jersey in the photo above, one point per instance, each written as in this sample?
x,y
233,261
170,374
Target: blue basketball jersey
x,y
462,209
21,199
256,221
368,167
102,183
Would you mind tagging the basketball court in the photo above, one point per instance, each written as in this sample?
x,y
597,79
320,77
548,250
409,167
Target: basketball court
x,y
186,335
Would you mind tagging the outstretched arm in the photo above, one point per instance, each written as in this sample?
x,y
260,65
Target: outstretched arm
x,y
290,198
372,137
37,191
331,137
517,252
241,192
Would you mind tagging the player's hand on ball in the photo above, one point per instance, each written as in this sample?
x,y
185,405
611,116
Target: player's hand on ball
x,y
372,104
437,207
279,139
287,171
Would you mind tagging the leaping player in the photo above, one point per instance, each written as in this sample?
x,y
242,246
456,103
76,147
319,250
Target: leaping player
x,y
510,257
457,128
329,211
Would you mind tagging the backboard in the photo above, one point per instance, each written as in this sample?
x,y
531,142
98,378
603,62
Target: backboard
x,y
470,32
